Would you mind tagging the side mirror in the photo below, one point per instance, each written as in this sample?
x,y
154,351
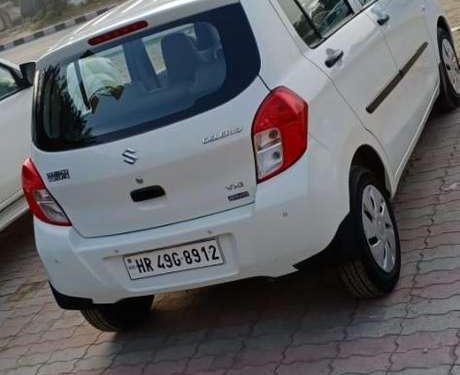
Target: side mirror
x,y
28,73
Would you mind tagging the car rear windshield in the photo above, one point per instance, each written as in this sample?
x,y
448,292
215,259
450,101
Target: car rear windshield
x,y
145,81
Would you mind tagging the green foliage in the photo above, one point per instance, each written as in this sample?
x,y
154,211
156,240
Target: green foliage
x,y
50,10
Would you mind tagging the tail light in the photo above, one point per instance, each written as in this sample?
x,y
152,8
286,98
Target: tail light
x,y
41,202
280,132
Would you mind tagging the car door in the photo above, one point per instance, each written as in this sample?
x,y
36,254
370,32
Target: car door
x,y
404,27
348,46
15,110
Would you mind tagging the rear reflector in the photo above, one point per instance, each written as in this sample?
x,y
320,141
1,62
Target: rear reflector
x,y
280,132
41,202
117,33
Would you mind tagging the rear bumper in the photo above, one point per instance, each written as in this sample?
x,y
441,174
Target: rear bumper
x,y
295,216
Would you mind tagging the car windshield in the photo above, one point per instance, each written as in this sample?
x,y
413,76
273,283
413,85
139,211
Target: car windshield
x,y
152,80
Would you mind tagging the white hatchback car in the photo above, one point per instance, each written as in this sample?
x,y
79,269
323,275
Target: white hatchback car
x,y
15,111
185,143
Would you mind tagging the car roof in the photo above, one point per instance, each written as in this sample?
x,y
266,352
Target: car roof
x,y
156,12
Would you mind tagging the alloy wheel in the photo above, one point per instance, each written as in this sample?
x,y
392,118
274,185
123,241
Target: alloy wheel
x,y
450,61
378,228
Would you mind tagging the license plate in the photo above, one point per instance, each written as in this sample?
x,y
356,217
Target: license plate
x,y
176,259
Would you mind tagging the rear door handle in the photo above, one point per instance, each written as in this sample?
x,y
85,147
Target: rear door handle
x,y
148,193
334,56
383,19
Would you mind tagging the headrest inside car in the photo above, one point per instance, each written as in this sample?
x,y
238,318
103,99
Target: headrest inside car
x,y
181,58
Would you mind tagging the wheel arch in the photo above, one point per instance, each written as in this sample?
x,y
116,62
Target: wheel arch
x,y
367,156
444,24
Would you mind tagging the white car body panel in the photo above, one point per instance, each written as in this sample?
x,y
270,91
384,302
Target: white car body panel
x,y
407,23
192,174
245,235
14,148
158,12
363,44
288,218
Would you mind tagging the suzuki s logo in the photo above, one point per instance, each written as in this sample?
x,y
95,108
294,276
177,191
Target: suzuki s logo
x,y
130,156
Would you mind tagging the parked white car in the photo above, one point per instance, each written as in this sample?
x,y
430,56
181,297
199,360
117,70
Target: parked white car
x,y
180,144
15,111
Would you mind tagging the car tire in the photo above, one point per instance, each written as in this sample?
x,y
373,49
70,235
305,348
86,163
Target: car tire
x,y
376,266
121,316
449,98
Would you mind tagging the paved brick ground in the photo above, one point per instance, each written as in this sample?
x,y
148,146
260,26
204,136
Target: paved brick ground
x,y
303,324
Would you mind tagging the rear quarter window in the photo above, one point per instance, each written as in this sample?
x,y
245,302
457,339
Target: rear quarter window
x,y
8,84
145,81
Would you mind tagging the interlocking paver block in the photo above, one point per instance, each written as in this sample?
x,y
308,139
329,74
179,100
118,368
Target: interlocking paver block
x,y
439,264
103,349
34,359
431,323
68,354
437,277
166,368
301,368
259,370
439,291
367,347
93,363
56,368
361,364
434,306
319,336
374,312
125,370
210,363
133,358
27,370
427,340
422,358
7,363
175,353
375,329
219,347
311,353
449,251
440,370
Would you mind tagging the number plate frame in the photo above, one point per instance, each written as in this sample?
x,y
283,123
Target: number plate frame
x,y
132,261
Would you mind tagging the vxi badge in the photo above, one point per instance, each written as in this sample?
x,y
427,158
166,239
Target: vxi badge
x,y
223,134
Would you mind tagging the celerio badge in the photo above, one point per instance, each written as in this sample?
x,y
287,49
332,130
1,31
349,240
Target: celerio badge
x,y
223,134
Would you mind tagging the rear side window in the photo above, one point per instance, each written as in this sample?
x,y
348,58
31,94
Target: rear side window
x,y
146,81
315,20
